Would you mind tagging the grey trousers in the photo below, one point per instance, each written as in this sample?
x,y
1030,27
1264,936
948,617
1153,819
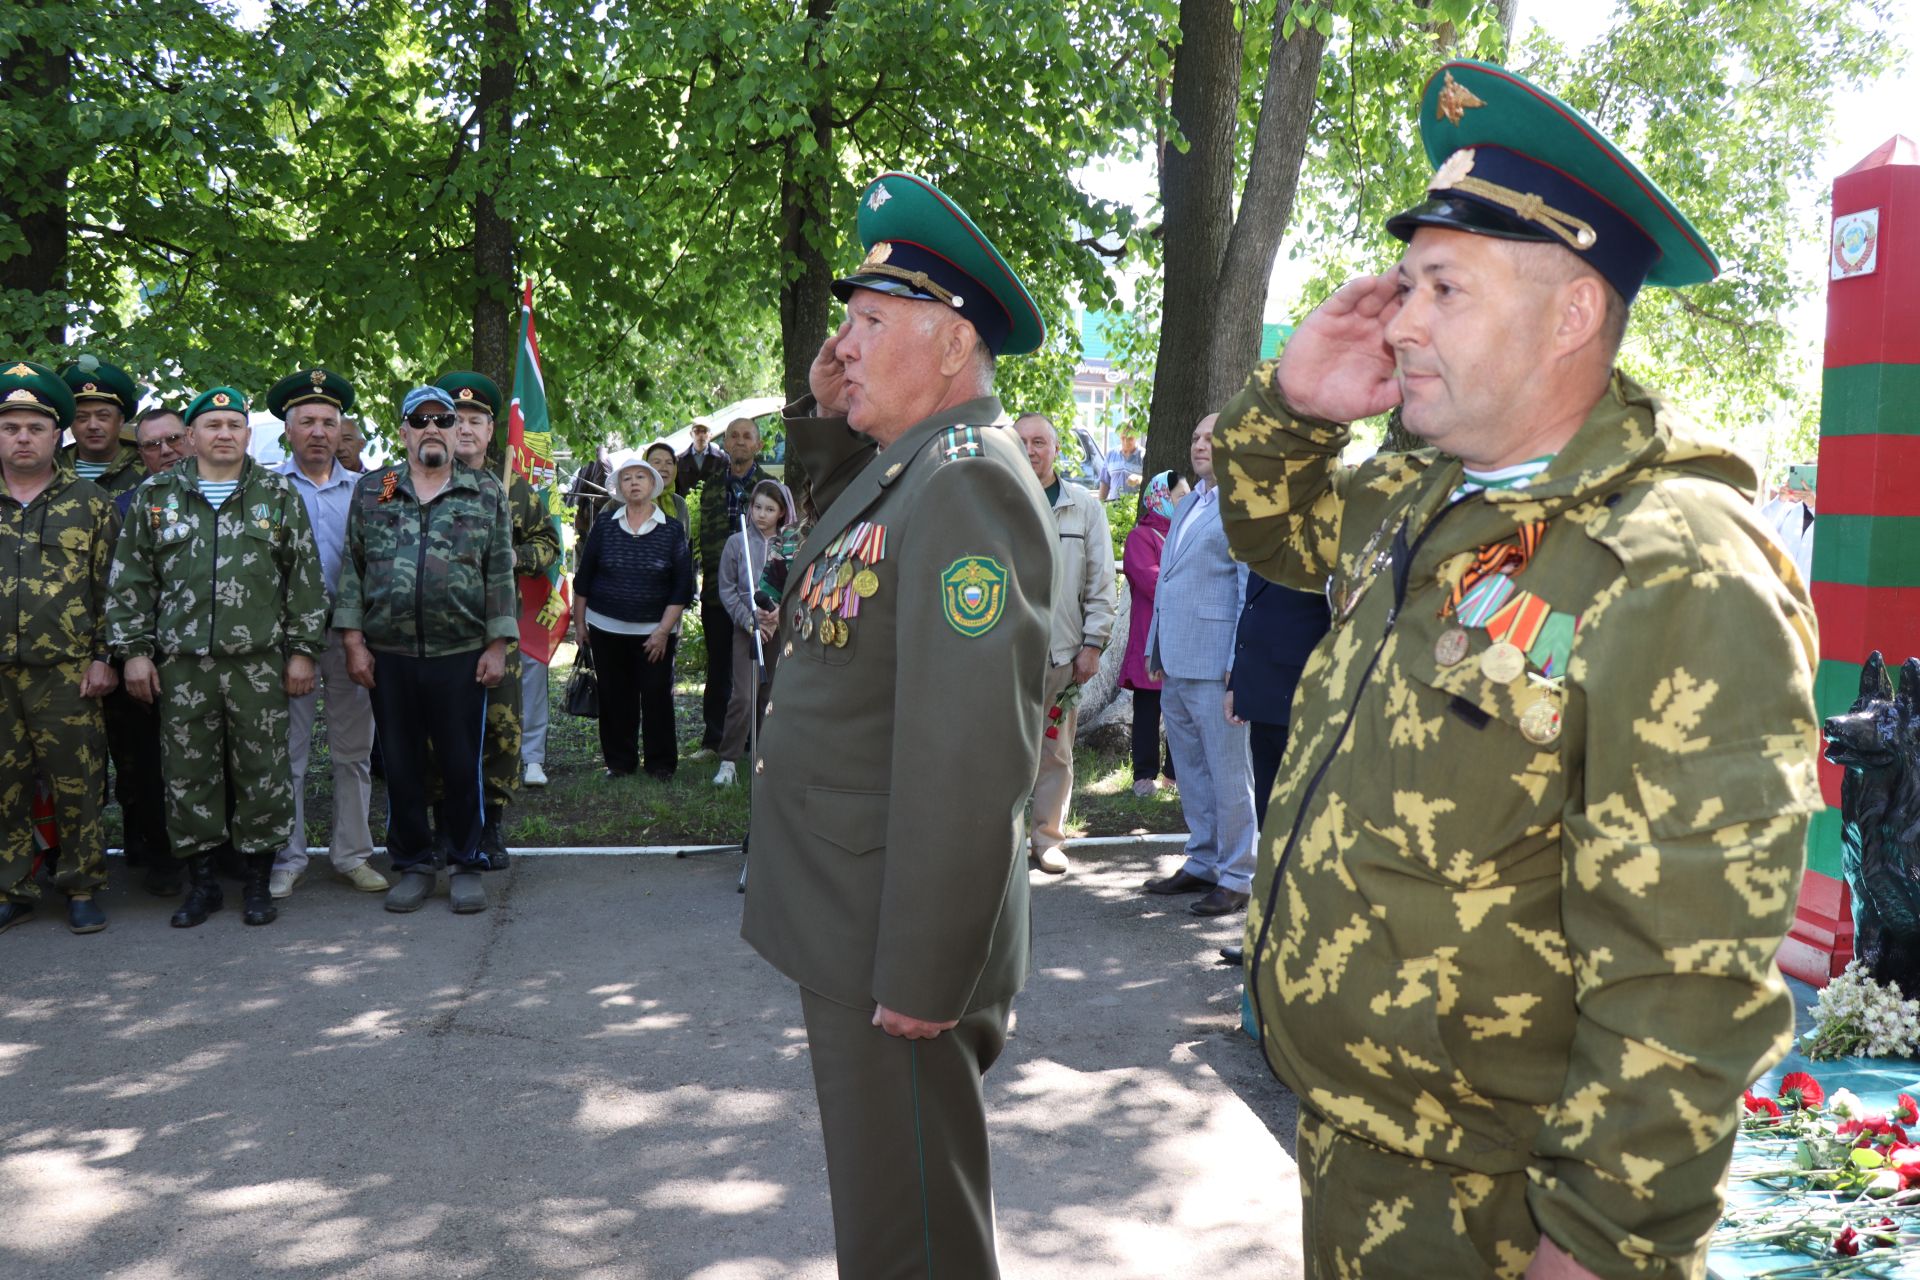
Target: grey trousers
x,y
350,743
1215,766
534,711
906,1137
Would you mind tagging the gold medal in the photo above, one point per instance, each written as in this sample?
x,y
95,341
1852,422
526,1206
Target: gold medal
x,y
1503,664
1541,722
844,575
806,625
1451,647
865,583
840,634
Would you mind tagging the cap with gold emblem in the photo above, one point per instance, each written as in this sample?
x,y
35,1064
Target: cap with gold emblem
x,y
1515,162
216,398
26,385
321,386
91,378
473,391
921,245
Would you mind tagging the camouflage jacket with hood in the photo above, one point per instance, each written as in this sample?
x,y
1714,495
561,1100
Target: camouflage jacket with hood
x,y
55,556
1509,955
190,580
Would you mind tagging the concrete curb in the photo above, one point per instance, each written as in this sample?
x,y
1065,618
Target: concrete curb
x,y
691,850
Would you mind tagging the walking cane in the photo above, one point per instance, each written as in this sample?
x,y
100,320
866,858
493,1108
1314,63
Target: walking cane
x,y
753,695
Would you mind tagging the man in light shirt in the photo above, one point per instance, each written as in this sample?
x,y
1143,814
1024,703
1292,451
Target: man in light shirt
x,y
311,403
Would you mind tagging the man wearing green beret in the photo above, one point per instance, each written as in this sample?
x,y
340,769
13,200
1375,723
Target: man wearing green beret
x,y
903,732
56,546
1540,832
219,612
310,402
104,398
477,407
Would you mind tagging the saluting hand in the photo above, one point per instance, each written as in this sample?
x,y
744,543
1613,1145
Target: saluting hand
x,y
1338,364
828,377
899,1024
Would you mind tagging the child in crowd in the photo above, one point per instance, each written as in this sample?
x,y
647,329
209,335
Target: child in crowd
x,y
741,564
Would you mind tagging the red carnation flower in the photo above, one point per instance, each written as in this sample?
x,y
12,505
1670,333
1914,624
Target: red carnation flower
x,y
1905,1161
1801,1091
1054,712
1764,1107
1053,731
1847,1243
1907,1111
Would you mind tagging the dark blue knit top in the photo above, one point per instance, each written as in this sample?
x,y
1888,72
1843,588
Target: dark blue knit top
x,y
634,579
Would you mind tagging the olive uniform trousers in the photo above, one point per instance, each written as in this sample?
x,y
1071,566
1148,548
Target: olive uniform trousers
x,y
46,725
906,1137
225,719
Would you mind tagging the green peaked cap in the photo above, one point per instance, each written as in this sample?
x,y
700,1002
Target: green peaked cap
x,y
922,245
1515,162
91,378
472,390
26,385
309,385
215,398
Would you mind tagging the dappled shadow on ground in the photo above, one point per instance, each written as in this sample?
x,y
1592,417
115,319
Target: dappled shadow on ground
x,y
596,1080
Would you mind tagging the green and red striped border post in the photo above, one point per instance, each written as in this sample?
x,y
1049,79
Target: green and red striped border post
x,y
1866,533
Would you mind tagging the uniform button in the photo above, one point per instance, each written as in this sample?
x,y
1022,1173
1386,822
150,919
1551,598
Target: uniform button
x,y
788,651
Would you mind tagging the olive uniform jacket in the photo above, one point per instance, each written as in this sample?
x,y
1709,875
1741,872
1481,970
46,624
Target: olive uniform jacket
x,y
1505,944
887,863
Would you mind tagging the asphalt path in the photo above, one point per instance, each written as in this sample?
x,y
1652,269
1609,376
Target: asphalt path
x,y
595,1080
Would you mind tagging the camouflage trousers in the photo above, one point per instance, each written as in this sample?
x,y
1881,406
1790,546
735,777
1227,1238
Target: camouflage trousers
x,y
221,716
1369,1212
500,748
47,727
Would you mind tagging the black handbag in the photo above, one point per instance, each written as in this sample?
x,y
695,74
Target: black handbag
x,y
583,690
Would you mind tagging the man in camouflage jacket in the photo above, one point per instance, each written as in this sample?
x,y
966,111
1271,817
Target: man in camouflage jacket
x,y
536,548
427,610
56,546
1540,829
219,610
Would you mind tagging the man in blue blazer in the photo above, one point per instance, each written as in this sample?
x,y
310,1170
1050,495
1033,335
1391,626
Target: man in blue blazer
x,y
1190,649
1278,629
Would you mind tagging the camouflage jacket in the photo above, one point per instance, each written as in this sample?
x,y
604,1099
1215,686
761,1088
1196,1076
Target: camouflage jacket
x,y
536,539
1506,951
122,474
55,555
432,578
191,580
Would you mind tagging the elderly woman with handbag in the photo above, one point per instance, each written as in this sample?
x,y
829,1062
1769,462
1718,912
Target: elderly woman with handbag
x,y
634,580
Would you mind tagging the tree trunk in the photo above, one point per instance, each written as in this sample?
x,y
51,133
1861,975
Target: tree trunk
x,y
493,239
806,224
1266,206
34,81
1196,190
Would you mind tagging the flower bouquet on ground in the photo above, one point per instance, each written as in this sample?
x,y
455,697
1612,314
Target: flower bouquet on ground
x,y
1825,1177
1858,1017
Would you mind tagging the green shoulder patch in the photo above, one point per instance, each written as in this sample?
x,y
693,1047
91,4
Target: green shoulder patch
x,y
974,594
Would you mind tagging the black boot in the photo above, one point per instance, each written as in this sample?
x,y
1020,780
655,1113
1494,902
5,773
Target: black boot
x,y
203,893
493,838
255,899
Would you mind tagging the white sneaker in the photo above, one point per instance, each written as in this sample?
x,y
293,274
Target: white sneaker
x,y
280,883
1053,861
725,775
535,776
366,879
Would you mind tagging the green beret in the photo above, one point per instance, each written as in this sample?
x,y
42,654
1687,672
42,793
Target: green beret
x,y
472,390
26,385
321,385
1516,163
216,398
91,378
921,245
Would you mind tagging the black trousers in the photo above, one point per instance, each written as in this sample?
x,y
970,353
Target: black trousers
x,y
133,740
1150,759
636,701
1268,743
422,701
717,631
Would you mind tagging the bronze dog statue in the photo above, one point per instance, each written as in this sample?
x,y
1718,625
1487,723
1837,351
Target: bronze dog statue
x,y
1878,743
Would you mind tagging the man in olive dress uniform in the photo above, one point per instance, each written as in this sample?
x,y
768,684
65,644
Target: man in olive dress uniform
x,y
903,733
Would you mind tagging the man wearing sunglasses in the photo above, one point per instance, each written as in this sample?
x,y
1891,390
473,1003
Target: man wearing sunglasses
x,y
426,611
